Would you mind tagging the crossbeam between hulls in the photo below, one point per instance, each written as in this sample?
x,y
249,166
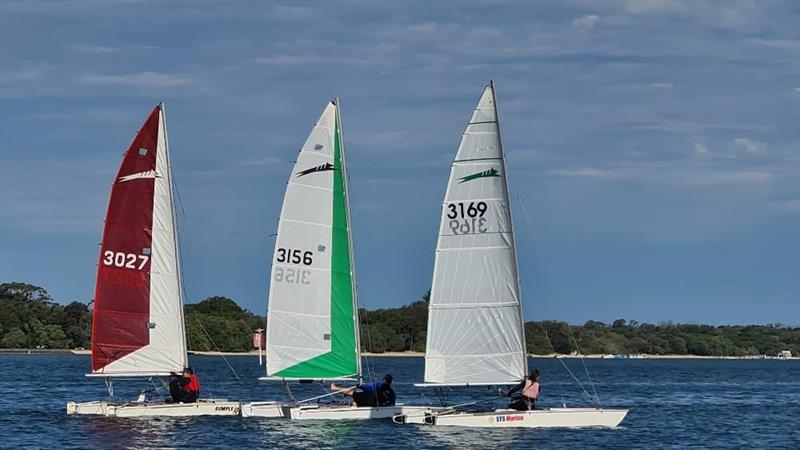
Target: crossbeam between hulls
x,y
307,380
128,375
499,383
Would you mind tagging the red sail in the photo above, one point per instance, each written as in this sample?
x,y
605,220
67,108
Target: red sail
x,y
122,294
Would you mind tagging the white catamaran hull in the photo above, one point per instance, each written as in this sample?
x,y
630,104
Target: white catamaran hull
x,y
540,418
338,412
264,409
208,407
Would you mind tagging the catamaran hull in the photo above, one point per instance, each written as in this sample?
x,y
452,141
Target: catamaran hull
x,y
272,410
540,418
145,409
324,412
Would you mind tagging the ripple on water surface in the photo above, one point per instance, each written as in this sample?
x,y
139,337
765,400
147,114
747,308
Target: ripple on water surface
x,y
674,404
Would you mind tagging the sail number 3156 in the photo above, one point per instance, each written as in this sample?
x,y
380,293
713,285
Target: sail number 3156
x,y
287,255
291,274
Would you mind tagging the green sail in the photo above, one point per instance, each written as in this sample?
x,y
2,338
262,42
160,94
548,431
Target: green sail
x,y
343,358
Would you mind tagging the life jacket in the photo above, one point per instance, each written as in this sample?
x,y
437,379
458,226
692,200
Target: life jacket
x,y
385,395
193,386
531,389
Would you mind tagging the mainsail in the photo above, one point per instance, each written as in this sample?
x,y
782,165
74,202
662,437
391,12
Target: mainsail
x,y
312,321
138,327
475,333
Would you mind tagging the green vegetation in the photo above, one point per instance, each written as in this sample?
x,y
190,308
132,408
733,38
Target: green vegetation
x,y
395,329
218,323
29,318
623,337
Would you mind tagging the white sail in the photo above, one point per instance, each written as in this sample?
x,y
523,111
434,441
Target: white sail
x,y
475,333
312,327
139,326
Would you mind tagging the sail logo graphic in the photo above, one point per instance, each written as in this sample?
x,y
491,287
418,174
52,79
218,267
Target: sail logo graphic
x,y
485,174
322,168
140,175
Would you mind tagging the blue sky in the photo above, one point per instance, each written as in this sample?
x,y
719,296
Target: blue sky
x,y
653,147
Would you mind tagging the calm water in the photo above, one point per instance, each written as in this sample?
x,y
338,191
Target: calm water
x,y
674,404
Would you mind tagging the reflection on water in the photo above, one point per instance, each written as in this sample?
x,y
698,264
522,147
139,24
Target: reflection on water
x,y
136,432
674,403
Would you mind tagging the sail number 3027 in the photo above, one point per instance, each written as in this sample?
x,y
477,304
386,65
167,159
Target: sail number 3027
x,y
126,260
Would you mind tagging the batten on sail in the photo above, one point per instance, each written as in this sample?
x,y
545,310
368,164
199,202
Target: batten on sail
x,y
138,327
312,326
475,334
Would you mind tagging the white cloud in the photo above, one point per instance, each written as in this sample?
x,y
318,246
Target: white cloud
x,y
792,205
701,151
384,140
785,44
588,21
142,79
735,177
284,12
593,172
95,49
663,85
670,173
688,126
727,15
26,71
283,60
750,146
654,7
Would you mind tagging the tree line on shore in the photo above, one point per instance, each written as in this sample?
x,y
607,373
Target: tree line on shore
x,y
30,318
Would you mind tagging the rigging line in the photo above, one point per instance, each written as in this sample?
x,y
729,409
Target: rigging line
x,y
177,194
583,361
181,237
568,370
156,388
558,387
485,399
578,381
596,399
218,350
370,364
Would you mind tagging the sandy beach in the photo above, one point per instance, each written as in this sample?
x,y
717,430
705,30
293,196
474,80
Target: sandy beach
x,y
418,354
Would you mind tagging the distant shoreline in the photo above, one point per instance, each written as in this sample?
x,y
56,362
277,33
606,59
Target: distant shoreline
x,y
40,351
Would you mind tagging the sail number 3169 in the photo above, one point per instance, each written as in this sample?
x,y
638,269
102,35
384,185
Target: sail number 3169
x,y
467,218
462,210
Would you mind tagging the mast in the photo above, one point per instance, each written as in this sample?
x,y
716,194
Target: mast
x,y
511,223
346,181
177,242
